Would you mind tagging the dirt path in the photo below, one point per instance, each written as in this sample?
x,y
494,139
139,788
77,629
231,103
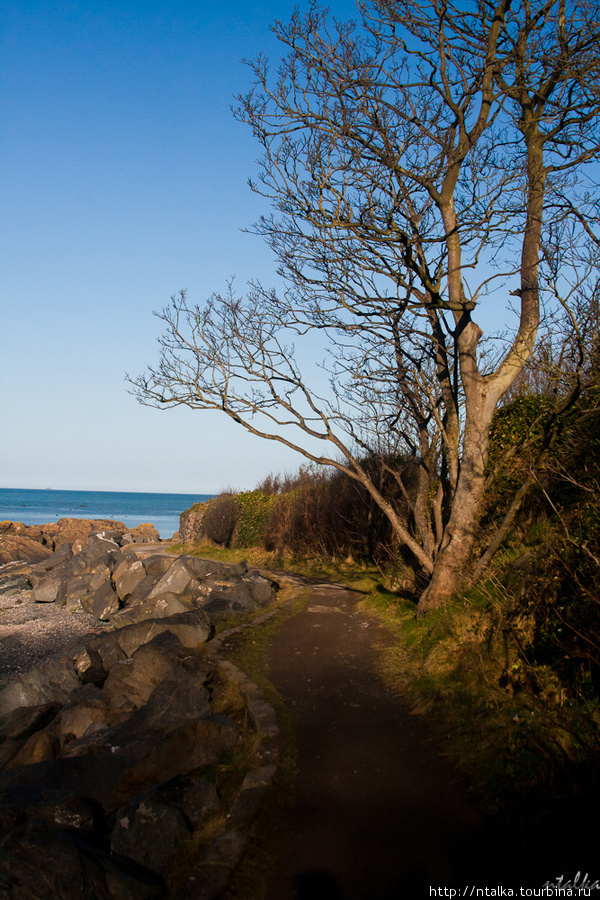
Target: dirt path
x,y
376,814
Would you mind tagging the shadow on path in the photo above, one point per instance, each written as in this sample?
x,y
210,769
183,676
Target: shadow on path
x,y
375,814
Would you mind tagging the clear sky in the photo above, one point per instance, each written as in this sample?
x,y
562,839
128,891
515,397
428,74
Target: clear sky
x,y
123,178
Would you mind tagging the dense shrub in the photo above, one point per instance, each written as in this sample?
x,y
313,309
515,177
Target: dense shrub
x,y
220,519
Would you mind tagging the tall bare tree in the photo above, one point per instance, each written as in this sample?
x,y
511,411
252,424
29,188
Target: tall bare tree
x,y
414,163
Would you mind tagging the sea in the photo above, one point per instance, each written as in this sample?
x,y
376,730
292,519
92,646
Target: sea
x,y
37,507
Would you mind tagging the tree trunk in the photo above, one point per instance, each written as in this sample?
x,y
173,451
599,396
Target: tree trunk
x,y
451,562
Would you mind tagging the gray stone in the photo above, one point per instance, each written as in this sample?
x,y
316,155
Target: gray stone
x,y
141,591
105,602
89,666
164,605
157,564
51,589
127,576
177,580
57,807
23,721
44,863
50,683
192,628
209,568
149,832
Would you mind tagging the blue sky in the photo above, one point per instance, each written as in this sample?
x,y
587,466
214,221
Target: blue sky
x,y
122,179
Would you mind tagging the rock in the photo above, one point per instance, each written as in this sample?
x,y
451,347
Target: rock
x,y
25,720
60,556
40,747
50,590
262,590
157,564
80,590
190,524
193,629
126,577
149,832
43,863
129,684
79,529
211,569
165,605
178,579
191,746
141,591
97,549
145,533
78,721
181,695
50,683
197,798
57,807
18,547
108,648
105,603
13,584
224,602
89,667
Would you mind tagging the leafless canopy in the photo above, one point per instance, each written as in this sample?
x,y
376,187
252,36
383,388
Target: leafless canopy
x,y
425,163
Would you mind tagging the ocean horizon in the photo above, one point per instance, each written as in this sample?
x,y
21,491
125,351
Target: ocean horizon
x,y
37,507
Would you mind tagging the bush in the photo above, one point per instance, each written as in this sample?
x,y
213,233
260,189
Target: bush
x,y
220,519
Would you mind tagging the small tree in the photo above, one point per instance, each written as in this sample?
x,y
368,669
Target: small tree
x,y
415,164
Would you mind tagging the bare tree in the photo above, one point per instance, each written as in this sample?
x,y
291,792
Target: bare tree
x,y
414,163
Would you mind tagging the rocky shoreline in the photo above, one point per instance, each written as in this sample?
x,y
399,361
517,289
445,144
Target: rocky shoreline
x,y
111,730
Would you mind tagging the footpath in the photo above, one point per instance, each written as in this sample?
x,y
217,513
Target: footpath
x,y
377,813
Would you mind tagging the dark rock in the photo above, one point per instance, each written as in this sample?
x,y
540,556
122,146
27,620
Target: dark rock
x,y
60,556
50,683
89,667
262,590
141,591
209,568
127,576
23,721
192,628
145,533
79,590
162,606
14,584
178,579
197,798
181,695
108,648
129,684
58,807
50,589
40,747
157,564
149,832
225,602
105,603
43,863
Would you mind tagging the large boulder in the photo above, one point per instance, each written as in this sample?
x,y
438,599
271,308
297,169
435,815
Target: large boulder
x,y
19,547
50,683
162,606
150,832
190,523
145,533
44,863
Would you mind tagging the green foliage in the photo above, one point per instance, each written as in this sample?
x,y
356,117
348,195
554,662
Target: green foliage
x,y
253,509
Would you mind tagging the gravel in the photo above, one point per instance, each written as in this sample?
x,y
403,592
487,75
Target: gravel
x,y
32,632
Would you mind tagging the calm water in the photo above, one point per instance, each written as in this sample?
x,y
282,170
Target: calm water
x,y
39,507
